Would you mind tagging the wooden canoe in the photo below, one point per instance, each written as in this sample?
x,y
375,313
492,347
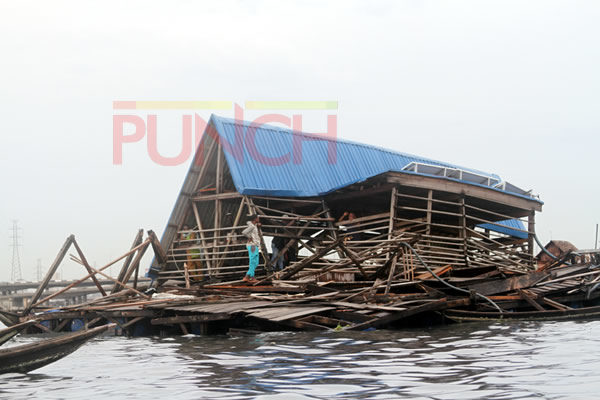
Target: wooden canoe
x,y
549,315
8,333
35,355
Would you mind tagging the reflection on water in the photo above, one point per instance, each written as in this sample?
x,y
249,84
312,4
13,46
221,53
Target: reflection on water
x,y
529,360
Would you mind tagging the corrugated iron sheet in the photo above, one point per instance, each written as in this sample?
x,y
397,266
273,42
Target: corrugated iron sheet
x,y
512,227
268,160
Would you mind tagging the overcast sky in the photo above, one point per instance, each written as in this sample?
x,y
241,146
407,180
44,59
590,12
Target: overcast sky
x,y
510,87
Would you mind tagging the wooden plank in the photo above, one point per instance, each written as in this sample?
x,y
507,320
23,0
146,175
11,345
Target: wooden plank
x,y
529,299
278,314
190,318
507,285
438,271
437,305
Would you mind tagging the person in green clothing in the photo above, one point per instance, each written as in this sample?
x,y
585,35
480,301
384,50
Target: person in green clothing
x,y
193,263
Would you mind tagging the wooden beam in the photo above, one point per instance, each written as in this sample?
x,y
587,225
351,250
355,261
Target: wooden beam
x,y
88,268
51,271
436,305
353,257
298,266
205,246
449,186
138,239
530,234
506,285
218,196
135,262
529,299
190,318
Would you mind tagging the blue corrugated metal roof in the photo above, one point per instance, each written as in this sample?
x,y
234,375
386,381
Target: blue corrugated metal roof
x,y
268,160
512,227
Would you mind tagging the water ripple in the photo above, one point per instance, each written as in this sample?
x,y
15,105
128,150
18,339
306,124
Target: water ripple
x,y
553,360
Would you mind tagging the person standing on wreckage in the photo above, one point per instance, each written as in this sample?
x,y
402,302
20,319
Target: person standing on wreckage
x,y
251,232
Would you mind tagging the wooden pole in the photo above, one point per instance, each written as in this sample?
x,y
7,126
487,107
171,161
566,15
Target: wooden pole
x,y
94,270
45,299
207,252
530,233
88,268
238,216
138,239
51,271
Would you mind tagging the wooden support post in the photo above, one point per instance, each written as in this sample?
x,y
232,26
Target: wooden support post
x,y
530,234
205,247
464,233
88,268
391,274
334,231
138,239
429,211
217,216
236,222
49,274
393,202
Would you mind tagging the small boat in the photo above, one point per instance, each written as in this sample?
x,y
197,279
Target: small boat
x,y
31,356
8,333
549,315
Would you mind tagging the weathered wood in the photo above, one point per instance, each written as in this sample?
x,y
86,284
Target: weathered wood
x,y
218,196
236,221
159,252
436,305
88,268
51,271
506,285
391,274
521,205
298,266
53,295
138,258
529,299
138,239
190,318
123,285
352,257
205,247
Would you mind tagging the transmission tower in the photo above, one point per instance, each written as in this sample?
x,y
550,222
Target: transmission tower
x,y
38,269
15,273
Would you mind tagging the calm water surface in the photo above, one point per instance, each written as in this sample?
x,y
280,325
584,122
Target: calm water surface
x,y
530,360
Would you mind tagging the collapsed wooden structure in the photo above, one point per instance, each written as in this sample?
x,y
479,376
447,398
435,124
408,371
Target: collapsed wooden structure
x,y
370,239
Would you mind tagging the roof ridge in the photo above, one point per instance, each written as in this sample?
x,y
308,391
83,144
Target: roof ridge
x,y
355,143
